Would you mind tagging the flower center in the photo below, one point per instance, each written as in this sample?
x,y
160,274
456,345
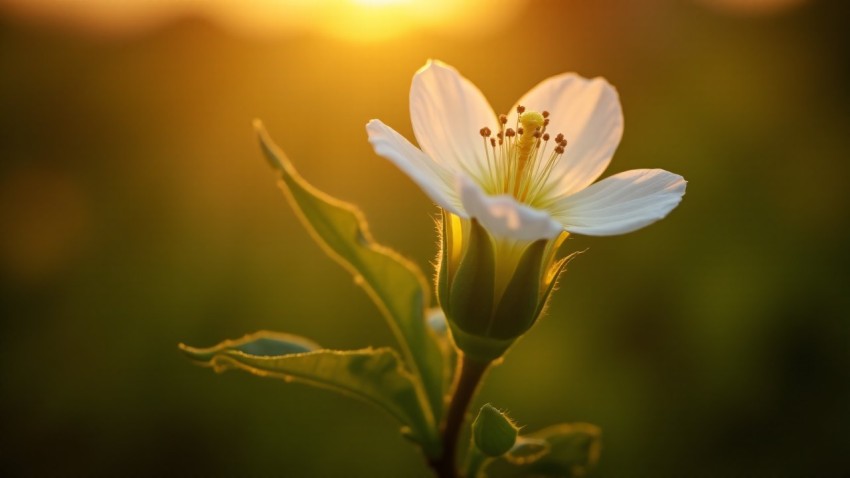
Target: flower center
x,y
517,159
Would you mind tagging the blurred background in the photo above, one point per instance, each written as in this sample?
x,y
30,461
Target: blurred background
x,y
137,212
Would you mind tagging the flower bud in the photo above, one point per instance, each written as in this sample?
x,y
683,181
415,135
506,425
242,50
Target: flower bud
x,y
493,432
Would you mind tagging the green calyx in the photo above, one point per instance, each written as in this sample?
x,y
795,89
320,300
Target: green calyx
x,y
491,292
479,348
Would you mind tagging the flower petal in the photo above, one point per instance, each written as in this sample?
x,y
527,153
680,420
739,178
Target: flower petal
x,y
589,114
436,181
621,203
503,216
447,112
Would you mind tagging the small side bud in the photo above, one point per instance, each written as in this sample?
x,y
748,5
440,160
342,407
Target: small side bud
x,y
493,432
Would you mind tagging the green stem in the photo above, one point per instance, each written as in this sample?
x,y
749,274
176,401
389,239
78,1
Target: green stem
x,y
474,461
469,377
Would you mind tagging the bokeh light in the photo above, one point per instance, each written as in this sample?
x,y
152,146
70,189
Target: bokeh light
x,y
753,7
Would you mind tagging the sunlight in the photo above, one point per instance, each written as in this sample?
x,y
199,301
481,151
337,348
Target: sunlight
x,y
380,3
358,20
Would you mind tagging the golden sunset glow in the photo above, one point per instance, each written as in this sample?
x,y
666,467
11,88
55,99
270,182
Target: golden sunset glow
x,y
139,211
380,3
365,20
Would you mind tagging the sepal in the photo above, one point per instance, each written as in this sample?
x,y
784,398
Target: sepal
x,y
471,289
520,303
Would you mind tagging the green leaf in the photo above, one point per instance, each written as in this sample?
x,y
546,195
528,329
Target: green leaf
x,y
395,284
565,450
374,375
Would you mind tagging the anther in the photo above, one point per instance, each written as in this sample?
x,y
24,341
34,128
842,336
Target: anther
x,y
517,151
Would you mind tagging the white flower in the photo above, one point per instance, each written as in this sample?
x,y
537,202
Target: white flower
x,y
529,174
512,188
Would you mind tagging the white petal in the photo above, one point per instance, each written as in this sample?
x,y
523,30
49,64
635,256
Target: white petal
x,y
503,216
437,183
621,203
589,114
447,112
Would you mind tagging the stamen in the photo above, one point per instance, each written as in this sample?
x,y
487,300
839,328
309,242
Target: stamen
x,y
543,178
519,164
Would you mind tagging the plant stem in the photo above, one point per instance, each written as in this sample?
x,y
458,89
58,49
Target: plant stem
x,y
469,377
